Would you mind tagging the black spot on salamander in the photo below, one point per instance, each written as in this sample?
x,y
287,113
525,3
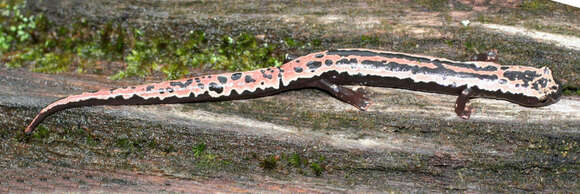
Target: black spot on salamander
x,y
236,76
161,90
200,86
249,79
297,61
222,79
504,68
526,76
543,82
209,76
535,86
342,61
133,87
261,83
439,70
170,90
319,55
216,87
298,69
197,80
517,85
265,75
353,61
328,62
149,88
502,81
313,65
181,85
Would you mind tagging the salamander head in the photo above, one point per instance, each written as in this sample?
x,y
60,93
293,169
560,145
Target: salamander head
x,y
547,90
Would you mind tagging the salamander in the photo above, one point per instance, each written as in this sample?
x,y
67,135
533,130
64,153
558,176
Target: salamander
x,y
329,71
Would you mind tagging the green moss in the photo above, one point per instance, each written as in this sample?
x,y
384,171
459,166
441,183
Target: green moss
x,y
41,133
85,135
269,163
570,90
123,142
316,169
120,44
52,63
199,150
60,48
369,40
296,160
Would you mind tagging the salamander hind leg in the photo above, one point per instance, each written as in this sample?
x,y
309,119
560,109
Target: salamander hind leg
x,y
344,94
461,107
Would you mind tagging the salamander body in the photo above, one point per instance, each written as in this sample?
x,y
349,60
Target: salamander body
x,y
329,70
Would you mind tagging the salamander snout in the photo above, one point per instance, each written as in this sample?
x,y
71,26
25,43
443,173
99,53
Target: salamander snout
x,y
555,96
549,87
551,96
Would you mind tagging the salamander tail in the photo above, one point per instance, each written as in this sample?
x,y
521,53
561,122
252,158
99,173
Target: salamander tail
x,y
45,112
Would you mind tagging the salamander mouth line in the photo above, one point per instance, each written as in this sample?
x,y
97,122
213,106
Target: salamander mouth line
x,y
330,71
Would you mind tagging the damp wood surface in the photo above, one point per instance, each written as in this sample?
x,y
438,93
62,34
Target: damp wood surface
x,y
297,141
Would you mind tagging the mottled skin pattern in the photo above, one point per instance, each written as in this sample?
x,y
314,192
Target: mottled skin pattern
x,y
329,70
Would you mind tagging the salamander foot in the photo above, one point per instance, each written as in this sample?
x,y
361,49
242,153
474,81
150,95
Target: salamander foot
x,y
344,94
461,108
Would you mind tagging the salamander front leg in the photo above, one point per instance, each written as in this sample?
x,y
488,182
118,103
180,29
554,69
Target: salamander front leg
x,y
461,107
344,94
